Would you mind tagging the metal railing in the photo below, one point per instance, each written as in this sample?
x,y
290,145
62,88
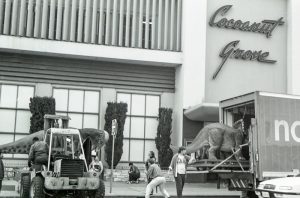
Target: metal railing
x,y
149,24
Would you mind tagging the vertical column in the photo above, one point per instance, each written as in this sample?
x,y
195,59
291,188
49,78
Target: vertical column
x,y
159,26
108,23
133,30
153,27
59,19
172,25
114,23
21,18
101,22
147,24
166,24
37,19
44,19
141,16
121,22
66,20
14,20
29,18
94,21
178,26
7,15
127,30
1,15
87,21
52,19
80,21
73,20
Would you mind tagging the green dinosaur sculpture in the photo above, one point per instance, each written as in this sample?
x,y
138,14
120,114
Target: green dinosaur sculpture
x,y
218,137
22,146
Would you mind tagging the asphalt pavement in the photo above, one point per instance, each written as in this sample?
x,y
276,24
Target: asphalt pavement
x,y
121,189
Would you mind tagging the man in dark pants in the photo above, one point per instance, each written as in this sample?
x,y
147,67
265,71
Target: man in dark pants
x,y
178,165
1,170
134,173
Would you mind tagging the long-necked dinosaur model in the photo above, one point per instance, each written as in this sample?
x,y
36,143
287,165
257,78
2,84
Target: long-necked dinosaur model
x,y
22,146
218,137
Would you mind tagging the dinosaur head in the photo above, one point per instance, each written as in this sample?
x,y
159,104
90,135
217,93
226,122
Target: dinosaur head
x,y
239,125
98,137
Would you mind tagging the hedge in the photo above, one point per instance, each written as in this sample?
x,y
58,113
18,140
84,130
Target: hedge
x,y
39,106
163,139
115,111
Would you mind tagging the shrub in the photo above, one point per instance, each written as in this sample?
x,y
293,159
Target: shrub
x,y
163,139
115,111
39,106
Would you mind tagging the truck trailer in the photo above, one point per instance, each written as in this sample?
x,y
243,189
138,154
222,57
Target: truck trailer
x,y
272,146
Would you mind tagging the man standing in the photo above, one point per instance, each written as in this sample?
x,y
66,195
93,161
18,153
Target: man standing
x,y
178,165
154,172
38,154
1,170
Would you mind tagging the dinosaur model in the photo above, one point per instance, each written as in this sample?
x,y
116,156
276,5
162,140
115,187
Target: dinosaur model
x,y
22,146
218,137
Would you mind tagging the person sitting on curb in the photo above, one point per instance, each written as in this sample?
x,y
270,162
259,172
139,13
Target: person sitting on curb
x,y
134,174
96,165
154,172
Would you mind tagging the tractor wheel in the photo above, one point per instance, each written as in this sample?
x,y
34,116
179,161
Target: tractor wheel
x,y
37,187
100,192
25,186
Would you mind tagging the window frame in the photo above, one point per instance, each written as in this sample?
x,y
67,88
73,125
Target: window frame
x,y
138,116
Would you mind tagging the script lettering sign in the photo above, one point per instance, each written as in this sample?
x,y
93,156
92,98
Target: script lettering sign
x,y
264,27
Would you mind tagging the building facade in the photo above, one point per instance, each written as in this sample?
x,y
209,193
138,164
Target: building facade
x,y
182,54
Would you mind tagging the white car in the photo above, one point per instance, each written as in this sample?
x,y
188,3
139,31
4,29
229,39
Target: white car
x,y
288,187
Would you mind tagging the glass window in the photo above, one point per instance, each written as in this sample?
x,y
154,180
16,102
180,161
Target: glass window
x,y
125,150
138,107
61,99
24,95
76,100
90,121
91,102
14,112
7,123
8,96
141,123
151,128
23,121
137,127
136,150
76,120
152,105
82,106
126,127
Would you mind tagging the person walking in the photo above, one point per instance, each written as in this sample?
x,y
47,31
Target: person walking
x,y
178,165
158,179
151,155
1,170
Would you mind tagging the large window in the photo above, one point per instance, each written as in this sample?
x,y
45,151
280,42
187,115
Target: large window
x,y
140,126
14,112
83,106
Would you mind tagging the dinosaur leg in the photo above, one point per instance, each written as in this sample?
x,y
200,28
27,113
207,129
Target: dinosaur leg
x,y
215,142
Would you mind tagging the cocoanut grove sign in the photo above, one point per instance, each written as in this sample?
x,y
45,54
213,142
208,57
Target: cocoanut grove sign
x,y
265,27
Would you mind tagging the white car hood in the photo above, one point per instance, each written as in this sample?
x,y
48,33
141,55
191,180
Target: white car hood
x,y
283,181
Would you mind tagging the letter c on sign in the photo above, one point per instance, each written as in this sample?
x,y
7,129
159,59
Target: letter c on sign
x,y
293,131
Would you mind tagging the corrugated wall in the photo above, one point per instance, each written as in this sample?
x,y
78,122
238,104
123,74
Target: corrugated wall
x,y
149,24
28,68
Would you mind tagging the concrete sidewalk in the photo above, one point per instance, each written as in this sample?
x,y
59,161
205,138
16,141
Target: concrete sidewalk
x,y
121,189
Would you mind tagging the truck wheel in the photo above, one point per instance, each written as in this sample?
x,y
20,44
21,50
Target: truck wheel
x,y
25,186
37,187
251,194
100,193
